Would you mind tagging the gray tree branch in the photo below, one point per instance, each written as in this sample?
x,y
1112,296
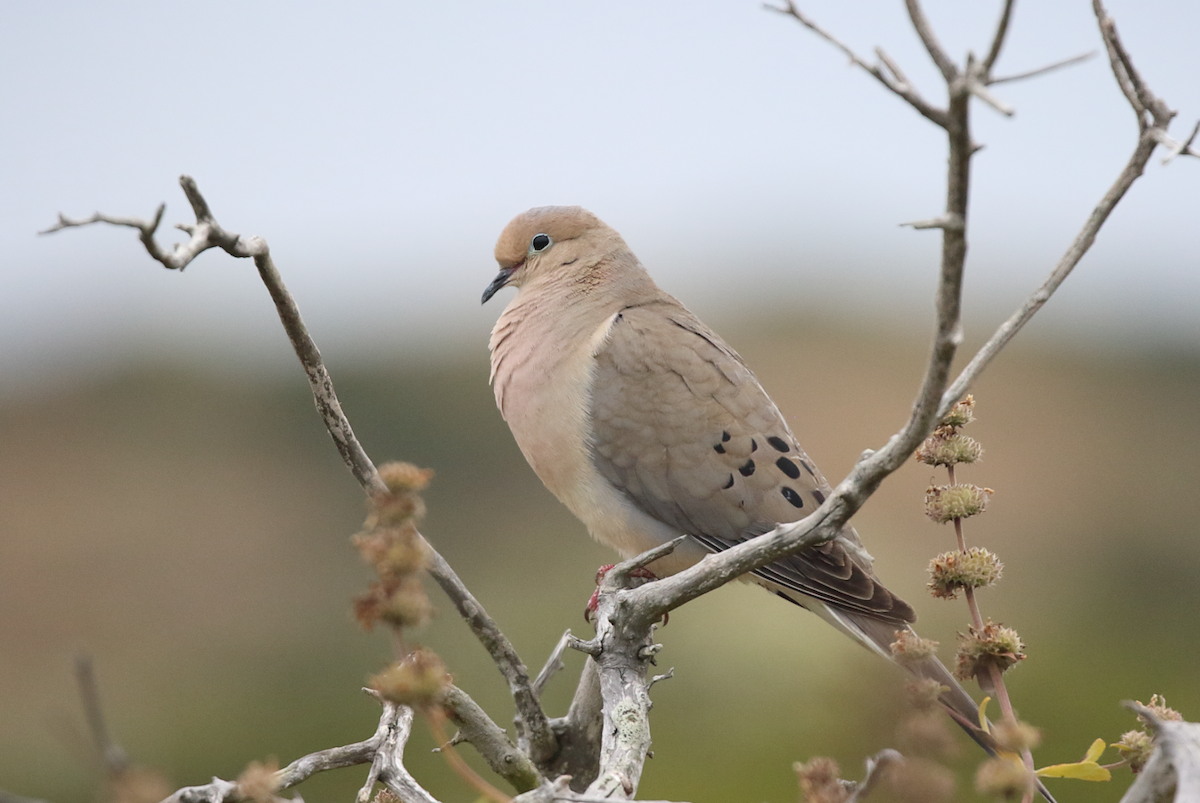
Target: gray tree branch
x,y
1172,774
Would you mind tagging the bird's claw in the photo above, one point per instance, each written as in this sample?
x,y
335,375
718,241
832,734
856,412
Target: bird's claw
x,y
593,603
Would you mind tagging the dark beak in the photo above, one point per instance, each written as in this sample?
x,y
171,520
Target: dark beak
x,y
501,279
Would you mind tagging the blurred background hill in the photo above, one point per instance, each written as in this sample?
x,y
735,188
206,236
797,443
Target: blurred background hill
x,y
188,527
170,504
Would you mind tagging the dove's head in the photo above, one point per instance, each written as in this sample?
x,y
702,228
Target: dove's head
x,y
551,240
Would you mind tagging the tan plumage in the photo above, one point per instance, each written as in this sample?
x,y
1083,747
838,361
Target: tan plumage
x,y
644,423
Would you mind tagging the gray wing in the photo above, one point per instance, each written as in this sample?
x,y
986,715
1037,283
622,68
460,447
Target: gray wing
x,y
684,429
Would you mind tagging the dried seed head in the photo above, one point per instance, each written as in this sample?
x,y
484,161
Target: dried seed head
x,y
368,607
1158,706
923,693
960,414
405,477
919,780
1016,736
1136,747
407,605
994,645
259,782
945,503
944,448
950,572
821,781
417,681
402,504
1004,777
926,733
136,784
386,796
909,648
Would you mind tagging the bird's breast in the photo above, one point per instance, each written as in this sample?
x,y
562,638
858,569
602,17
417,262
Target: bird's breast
x,y
542,374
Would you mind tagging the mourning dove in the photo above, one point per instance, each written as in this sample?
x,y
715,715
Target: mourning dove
x,y
643,422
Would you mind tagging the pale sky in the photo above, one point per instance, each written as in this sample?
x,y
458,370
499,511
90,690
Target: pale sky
x,y
381,147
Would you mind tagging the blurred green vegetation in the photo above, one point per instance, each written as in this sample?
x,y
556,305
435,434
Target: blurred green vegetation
x,y
188,528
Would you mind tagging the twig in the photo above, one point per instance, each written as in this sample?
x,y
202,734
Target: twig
x,y
534,730
998,39
1042,70
944,63
388,764
580,731
395,724
1176,148
1172,772
1142,100
876,766
896,82
207,233
490,741
113,757
935,398
554,664
460,767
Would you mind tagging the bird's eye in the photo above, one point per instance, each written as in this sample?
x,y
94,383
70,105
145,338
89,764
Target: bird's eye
x,y
539,243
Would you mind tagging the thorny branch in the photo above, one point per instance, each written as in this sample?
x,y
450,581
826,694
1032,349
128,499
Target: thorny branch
x,y
623,647
207,233
935,398
384,751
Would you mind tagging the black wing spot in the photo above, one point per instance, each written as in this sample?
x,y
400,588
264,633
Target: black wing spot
x,y
820,497
793,497
728,485
788,467
808,468
779,443
747,469
719,449
725,436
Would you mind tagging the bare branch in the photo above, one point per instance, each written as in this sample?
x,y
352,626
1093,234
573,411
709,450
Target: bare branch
x,y
490,741
580,731
1178,148
895,81
998,40
1153,131
388,764
979,89
532,724
891,65
944,63
114,758
647,603
1058,65
590,647
1173,771
384,750
621,573
554,664
208,233
1128,78
622,664
943,222
876,767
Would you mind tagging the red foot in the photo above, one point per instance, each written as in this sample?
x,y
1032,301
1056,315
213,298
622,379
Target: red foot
x,y
594,600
